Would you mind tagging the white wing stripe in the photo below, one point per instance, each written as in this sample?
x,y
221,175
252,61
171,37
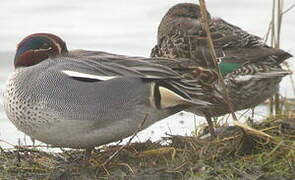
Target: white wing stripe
x,y
89,76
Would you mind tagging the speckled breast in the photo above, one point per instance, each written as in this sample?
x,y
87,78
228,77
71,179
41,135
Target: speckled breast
x,y
25,113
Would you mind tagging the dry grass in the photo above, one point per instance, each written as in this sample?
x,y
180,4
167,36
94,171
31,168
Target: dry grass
x,y
266,151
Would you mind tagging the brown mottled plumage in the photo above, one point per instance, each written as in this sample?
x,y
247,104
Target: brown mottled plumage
x,y
251,68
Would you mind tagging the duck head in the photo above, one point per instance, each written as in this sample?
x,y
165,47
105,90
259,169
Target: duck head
x,y
38,47
183,16
189,10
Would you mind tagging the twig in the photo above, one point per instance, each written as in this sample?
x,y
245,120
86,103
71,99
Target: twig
x,y
252,130
124,146
244,174
268,31
276,24
273,35
128,166
288,9
205,25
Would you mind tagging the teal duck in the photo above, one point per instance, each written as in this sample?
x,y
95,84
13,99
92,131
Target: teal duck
x,y
83,99
251,69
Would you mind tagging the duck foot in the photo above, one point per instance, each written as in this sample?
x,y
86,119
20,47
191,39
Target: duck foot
x,y
210,125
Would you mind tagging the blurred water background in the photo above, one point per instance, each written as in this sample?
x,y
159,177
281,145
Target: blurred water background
x,y
125,27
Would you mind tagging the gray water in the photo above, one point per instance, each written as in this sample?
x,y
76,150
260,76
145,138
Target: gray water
x,y
125,27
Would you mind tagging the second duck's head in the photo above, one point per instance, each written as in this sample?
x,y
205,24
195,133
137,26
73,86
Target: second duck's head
x,y
189,10
38,47
182,16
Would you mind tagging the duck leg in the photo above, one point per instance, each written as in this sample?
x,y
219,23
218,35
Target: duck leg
x,y
210,124
87,155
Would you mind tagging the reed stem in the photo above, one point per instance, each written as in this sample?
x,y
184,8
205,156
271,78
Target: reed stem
x,y
205,24
276,22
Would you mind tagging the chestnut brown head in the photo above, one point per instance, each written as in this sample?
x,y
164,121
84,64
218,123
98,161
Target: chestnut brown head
x,y
38,47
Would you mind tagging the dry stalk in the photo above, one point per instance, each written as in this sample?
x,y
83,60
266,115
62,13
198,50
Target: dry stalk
x,y
205,25
274,31
251,130
128,166
276,24
225,139
288,9
159,151
277,45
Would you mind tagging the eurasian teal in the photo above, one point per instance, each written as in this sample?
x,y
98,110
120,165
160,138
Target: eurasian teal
x,y
251,69
83,99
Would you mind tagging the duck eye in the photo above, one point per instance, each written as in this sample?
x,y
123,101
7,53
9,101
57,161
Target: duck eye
x,y
45,46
